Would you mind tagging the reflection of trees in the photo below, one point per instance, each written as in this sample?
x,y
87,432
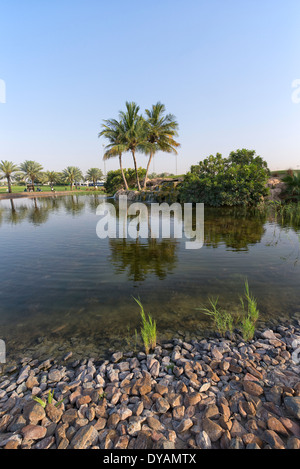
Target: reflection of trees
x,y
14,215
73,204
36,214
94,200
140,259
236,228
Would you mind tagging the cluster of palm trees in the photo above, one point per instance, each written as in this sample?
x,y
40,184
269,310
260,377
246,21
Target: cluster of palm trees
x,y
33,171
134,133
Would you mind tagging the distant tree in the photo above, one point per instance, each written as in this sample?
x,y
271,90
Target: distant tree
x,y
32,170
8,169
52,177
71,175
94,174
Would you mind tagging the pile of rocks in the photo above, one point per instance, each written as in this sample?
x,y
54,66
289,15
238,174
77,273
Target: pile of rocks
x,y
211,393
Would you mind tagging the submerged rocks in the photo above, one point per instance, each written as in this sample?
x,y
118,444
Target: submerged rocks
x,y
212,393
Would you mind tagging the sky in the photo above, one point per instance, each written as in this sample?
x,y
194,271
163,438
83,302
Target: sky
x,y
229,70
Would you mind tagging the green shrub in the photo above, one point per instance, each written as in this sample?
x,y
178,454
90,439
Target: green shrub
x,y
239,179
114,180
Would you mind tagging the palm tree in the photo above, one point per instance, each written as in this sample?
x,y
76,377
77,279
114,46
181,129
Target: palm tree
x,y
32,170
133,132
52,177
8,168
114,132
160,130
94,174
71,175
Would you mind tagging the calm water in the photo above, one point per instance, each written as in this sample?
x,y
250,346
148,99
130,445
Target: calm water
x,y
64,288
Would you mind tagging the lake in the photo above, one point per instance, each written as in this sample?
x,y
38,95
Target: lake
x,y
63,288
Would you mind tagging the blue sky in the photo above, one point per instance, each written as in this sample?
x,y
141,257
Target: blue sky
x,y
225,68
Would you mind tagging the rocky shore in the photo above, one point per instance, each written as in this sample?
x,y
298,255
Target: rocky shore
x,y
215,392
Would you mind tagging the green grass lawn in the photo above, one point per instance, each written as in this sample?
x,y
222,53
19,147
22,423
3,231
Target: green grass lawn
x,y
283,172
18,189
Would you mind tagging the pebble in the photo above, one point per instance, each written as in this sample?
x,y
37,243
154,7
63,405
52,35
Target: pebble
x,y
219,393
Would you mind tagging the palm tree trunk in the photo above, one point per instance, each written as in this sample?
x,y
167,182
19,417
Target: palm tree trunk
x,y
32,182
123,175
136,171
147,170
9,184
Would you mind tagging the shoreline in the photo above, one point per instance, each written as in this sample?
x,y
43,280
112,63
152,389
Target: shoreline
x,y
214,392
18,195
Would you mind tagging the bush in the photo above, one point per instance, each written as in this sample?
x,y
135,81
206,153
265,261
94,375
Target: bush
x,y
114,180
239,179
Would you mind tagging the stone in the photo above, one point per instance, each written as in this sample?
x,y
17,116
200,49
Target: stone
x,y
293,443
155,368
292,404
203,441
292,427
213,430
124,412
34,412
55,375
122,442
116,357
272,439
162,405
84,438
134,426
277,426
33,432
252,388
143,441
53,413
45,443
155,424
31,382
205,387
184,425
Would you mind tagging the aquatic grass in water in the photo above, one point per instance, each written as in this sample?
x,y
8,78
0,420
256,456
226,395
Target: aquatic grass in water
x,y
223,320
148,329
250,313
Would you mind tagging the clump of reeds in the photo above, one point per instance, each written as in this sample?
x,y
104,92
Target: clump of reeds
x,y
148,329
223,319
250,313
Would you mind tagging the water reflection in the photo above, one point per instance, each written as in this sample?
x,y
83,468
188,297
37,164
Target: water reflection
x,y
140,259
236,228
81,286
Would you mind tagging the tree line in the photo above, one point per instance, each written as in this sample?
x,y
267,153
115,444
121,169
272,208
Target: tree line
x,y
131,132
33,171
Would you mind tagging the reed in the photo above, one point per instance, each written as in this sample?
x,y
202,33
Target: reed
x,y
250,314
148,329
223,320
